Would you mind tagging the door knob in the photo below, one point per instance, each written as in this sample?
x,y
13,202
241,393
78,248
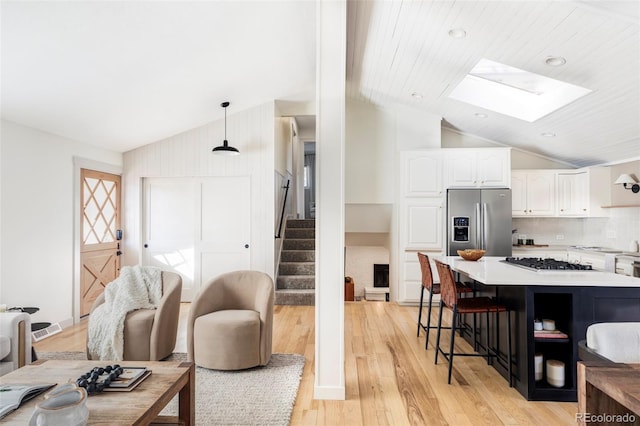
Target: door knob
x,y
146,245
246,246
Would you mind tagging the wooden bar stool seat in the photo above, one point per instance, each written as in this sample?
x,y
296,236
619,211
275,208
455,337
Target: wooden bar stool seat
x,y
471,305
432,288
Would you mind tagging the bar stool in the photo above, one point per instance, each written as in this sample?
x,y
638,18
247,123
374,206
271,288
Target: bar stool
x,y
468,305
432,288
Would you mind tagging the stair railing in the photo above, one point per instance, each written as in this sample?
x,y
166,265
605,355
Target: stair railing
x,y
284,204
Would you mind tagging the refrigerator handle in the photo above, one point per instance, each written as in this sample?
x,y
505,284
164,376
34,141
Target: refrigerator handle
x,y
485,226
478,227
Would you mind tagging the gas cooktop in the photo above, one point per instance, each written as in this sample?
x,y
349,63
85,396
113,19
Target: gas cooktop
x,y
538,264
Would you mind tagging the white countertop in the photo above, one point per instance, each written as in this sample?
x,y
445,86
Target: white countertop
x,y
489,270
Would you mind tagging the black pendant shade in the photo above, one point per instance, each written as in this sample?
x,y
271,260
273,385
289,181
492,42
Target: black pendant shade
x,y
225,149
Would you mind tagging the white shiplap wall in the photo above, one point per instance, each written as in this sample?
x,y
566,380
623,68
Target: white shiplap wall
x,y
189,154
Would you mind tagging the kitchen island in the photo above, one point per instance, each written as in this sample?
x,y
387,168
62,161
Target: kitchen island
x,y
573,299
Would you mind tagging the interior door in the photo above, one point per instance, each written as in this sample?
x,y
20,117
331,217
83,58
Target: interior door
x,y
169,228
197,227
99,248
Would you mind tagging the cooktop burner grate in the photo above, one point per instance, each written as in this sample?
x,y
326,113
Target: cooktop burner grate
x,y
536,263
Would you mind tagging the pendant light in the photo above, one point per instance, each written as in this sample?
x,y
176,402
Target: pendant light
x,y
225,149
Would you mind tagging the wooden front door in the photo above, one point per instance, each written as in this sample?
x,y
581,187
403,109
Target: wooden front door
x,y
99,229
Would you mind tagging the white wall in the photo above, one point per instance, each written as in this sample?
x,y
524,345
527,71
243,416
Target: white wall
x,y
369,153
37,223
189,154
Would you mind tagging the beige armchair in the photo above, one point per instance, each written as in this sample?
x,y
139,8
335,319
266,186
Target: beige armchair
x,y
15,341
150,334
231,321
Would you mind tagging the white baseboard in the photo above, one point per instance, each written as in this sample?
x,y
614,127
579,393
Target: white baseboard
x,y
335,393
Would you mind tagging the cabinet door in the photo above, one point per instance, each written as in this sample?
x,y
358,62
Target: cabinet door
x,y
583,194
573,194
421,173
541,194
461,168
411,279
421,224
518,194
567,194
494,167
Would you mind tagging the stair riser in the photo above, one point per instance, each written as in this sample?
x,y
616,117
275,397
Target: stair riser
x,y
297,268
298,256
303,233
296,282
298,244
295,299
301,223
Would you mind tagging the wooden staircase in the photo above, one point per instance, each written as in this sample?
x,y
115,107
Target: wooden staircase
x,y
296,281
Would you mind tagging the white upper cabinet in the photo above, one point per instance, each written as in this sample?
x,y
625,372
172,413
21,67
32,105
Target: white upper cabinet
x,y
421,173
478,168
583,192
533,193
573,194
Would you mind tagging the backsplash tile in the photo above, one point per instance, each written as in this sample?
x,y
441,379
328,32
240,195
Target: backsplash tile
x,y
616,231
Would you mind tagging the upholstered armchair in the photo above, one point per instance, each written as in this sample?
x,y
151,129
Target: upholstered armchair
x,y
150,334
231,321
15,341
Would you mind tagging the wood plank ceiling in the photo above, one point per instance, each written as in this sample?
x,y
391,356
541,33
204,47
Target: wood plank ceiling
x,y
396,48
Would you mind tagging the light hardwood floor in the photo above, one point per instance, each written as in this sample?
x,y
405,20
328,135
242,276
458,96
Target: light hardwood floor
x,y
390,378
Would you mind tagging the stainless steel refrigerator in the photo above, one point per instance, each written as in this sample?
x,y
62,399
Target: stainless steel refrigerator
x,y
479,218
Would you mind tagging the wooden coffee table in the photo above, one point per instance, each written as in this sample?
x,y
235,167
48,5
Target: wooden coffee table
x,y
608,390
141,406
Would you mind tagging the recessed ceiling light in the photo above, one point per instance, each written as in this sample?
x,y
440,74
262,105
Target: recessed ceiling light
x,y
555,61
416,95
481,115
514,92
548,135
457,33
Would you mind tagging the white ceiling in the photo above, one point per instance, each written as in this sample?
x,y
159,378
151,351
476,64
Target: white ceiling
x,y
397,48
124,74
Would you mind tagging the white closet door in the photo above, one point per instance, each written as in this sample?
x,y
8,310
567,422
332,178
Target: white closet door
x,y
226,226
170,221
197,227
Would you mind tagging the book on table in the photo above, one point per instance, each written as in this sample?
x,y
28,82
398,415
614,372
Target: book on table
x,y
13,395
127,380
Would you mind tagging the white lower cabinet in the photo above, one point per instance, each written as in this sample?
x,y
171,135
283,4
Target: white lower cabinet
x,y
411,278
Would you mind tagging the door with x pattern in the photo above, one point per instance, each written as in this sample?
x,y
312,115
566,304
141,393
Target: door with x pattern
x,y
101,234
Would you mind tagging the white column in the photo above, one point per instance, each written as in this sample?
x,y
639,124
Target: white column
x,y
330,92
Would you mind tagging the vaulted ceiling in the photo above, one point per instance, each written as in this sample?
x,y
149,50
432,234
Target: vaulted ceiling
x,y
124,74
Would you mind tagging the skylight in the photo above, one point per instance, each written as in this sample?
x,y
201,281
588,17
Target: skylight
x,y
514,92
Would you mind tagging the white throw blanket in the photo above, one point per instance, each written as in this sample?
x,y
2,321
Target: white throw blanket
x,y
137,287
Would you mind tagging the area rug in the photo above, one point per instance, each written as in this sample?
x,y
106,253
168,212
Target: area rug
x,y
257,396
